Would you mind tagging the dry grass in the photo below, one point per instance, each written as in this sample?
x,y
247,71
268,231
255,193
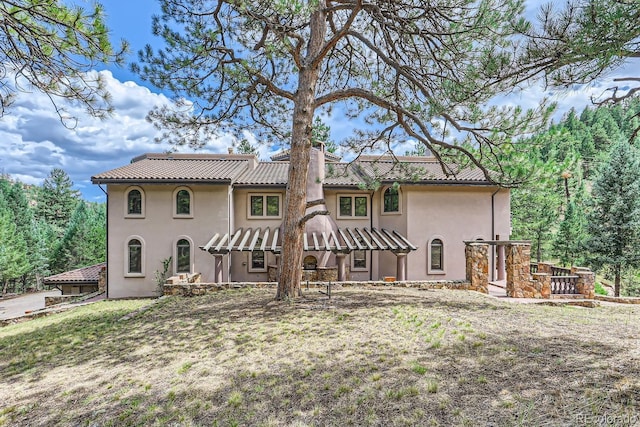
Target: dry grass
x,y
366,357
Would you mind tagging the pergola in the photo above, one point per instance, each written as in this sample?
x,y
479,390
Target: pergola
x,y
341,243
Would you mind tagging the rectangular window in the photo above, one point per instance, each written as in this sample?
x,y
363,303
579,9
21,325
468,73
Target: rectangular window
x,y
359,260
273,205
256,205
353,206
345,206
257,260
361,206
264,205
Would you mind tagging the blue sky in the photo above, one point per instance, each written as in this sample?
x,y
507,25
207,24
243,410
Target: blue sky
x,y
34,141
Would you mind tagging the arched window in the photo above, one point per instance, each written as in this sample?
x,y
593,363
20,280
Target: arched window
x,y
134,255
436,254
134,203
183,202
391,200
183,256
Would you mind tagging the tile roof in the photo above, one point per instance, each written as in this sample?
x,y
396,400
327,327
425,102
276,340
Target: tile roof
x,y
246,170
265,173
419,169
81,275
183,168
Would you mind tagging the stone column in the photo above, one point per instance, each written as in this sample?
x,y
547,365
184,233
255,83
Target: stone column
x,y
218,268
544,267
401,266
341,259
518,268
477,260
543,285
586,283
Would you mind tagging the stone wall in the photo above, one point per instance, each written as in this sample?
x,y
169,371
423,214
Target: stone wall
x,y
620,300
193,289
477,266
60,299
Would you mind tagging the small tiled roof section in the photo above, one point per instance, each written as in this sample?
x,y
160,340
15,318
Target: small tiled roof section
x,y
283,156
265,173
178,168
88,274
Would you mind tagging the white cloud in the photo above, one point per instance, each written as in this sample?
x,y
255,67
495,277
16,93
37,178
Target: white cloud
x,y
34,140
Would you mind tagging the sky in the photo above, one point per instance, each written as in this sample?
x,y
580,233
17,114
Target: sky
x,y
33,141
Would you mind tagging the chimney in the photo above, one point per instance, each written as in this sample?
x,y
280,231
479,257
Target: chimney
x,y
230,149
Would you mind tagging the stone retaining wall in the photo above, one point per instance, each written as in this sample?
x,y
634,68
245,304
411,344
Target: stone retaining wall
x,y
192,289
620,300
60,299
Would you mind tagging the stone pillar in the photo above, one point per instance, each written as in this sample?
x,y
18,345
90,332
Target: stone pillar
x,y
586,283
543,285
342,267
518,268
500,263
102,279
477,260
544,267
218,268
401,266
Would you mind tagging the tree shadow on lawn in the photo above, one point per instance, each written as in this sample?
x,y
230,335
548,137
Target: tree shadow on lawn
x,y
363,355
524,380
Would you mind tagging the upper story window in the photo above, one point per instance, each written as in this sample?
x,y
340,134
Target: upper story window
x,y
134,202
353,206
134,256
436,255
183,256
391,200
183,199
264,205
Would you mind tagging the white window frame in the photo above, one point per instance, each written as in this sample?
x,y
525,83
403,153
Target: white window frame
x,y
399,211
126,203
174,202
430,269
191,255
353,197
264,206
143,257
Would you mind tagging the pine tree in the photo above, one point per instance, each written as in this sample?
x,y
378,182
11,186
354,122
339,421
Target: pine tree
x,y
614,221
57,200
13,250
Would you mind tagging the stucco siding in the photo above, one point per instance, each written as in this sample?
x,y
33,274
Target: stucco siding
x,y
159,230
452,215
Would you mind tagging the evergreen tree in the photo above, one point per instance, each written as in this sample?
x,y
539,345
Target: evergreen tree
x,y
13,250
84,241
569,240
57,200
614,220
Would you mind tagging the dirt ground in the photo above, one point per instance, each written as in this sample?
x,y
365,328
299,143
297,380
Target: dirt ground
x,y
384,356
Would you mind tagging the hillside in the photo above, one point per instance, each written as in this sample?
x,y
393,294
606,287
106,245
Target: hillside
x,y
366,357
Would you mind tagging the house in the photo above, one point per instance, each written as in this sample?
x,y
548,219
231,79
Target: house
x,y
79,281
220,214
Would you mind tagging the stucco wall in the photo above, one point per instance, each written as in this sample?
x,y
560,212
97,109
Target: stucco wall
x,y
454,215
241,261
159,230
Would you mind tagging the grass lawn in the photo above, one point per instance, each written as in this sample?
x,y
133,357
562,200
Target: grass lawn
x,y
381,357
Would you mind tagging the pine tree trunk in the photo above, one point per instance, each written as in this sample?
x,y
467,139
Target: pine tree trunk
x,y
617,281
290,270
